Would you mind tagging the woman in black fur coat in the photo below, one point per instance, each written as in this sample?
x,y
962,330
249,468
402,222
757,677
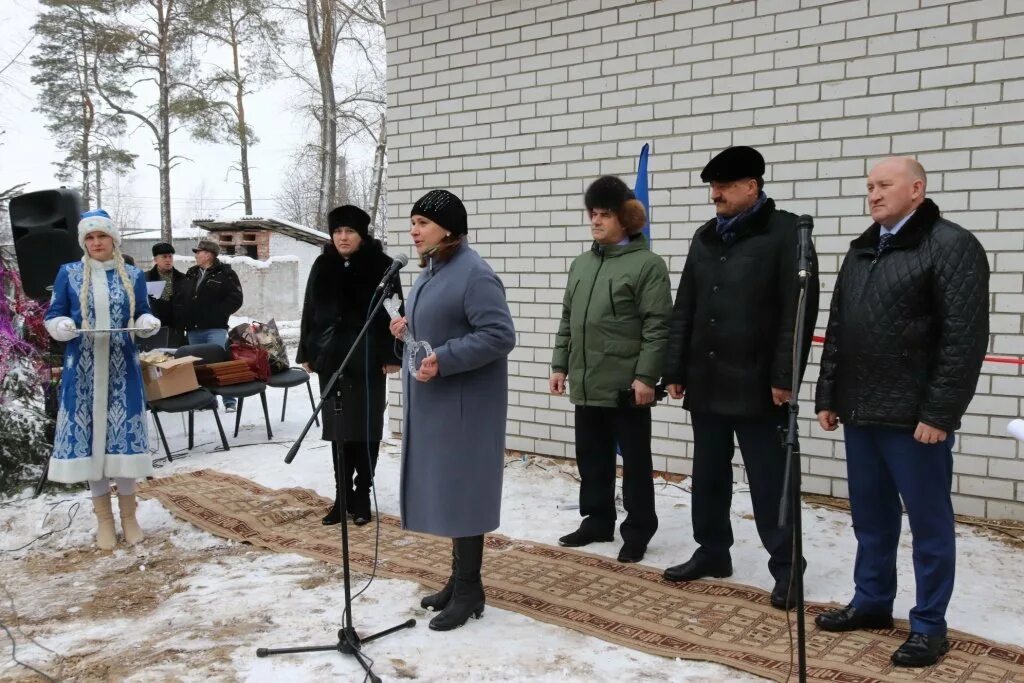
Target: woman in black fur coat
x,y
338,298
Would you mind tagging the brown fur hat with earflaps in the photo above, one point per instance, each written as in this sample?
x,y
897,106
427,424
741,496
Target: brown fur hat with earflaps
x,y
609,192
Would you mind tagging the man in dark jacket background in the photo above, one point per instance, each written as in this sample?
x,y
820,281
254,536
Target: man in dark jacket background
x,y
210,293
906,338
163,270
730,351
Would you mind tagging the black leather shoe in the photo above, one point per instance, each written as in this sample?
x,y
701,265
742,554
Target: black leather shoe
x,y
920,649
849,618
359,520
632,552
780,594
580,538
333,516
698,567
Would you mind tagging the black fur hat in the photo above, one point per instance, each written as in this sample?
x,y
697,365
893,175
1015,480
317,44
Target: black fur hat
x,y
610,193
607,192
349,216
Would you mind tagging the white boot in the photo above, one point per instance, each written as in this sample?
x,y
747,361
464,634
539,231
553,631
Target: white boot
x,y
130,526
106,535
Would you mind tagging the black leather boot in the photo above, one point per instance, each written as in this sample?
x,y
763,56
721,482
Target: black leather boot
x,y
333,515
468,592
438,601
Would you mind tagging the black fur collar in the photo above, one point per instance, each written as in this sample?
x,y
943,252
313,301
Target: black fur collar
x,y
909,236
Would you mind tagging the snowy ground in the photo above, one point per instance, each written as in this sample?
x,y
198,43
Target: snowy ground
x,y
189,606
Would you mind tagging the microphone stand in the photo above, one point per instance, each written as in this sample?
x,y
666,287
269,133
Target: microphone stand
x,y
791,483
349,642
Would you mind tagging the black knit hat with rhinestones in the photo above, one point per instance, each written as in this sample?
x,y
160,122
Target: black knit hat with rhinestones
x,y
445,209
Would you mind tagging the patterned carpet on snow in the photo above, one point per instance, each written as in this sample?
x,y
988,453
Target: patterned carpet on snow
x,y
630,605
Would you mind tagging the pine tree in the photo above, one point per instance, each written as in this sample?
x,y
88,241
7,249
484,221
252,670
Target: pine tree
x,y
64,65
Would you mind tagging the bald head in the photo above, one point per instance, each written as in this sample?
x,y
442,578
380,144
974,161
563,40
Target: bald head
x,y
896,187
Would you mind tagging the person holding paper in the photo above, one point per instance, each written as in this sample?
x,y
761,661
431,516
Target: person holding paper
x,y
165,282
101,422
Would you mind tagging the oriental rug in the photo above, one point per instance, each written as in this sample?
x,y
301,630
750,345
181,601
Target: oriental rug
x,y
630,605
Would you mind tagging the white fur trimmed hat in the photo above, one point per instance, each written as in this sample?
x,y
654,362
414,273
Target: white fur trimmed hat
x,y
97,221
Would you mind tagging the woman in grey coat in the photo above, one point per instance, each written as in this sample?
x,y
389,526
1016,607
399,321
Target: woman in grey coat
x,y
456,402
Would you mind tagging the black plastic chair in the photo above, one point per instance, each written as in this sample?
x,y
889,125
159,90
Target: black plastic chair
x,y
197,399
292,377
214,353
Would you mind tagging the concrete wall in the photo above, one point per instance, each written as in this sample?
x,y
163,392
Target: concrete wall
x,y
516,105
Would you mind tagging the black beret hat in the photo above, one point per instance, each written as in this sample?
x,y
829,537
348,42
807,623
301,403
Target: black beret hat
x,y
607,192
734,163
445,209
162,248
349,216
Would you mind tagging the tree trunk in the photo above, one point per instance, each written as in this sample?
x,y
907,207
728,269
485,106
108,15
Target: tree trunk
x,y
379,159
243,132
88,118
99,187
164,10
320,23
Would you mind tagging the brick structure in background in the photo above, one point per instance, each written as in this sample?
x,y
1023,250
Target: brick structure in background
x,y
516,105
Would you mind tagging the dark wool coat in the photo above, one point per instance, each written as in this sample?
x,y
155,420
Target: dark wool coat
x,y
164,310
207,305
731,332
908,329
339,296
453,450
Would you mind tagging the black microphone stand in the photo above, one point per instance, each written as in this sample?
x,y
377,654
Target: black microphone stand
x,y
349,642
791,484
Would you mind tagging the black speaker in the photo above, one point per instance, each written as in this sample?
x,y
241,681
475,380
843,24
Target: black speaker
x,y
45,228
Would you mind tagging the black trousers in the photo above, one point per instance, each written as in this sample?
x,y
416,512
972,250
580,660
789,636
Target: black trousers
x,y
764,458
598,430
360,464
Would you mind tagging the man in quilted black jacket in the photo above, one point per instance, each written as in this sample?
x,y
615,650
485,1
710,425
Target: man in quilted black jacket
x,y
906,338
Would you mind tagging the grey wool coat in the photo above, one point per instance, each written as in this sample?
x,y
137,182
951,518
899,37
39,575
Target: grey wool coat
x,y
453,450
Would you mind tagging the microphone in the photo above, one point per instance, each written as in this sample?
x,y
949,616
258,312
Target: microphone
x,y
397,264
804,226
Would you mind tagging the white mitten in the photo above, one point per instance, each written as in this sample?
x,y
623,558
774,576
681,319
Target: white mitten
x,y
62,329
147,325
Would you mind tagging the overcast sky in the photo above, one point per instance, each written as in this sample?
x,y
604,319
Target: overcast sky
x,y
28,152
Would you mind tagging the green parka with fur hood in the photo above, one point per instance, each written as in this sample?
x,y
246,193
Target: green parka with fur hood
x,y
614,326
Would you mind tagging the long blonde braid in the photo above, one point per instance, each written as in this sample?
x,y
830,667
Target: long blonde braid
x,y
129,287
83,295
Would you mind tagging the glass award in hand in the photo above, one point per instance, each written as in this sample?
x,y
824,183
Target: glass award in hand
x,y
415,351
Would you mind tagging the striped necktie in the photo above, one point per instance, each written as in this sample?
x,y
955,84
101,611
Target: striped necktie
x,y
884,239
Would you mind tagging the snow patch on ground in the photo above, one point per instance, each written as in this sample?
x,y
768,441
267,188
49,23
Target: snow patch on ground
x,y
187,605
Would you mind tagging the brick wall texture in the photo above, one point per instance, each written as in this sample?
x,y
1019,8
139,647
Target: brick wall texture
x,y
516,105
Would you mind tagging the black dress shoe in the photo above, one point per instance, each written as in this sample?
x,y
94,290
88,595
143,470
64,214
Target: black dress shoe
x,y
920,649
580,538
699,567
632,552
359,520
782,597
333,516
849,618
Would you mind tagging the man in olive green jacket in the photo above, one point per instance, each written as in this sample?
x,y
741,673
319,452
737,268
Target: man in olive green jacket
x,y
610,346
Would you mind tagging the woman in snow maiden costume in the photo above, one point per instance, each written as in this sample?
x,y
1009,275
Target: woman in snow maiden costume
x,y
453,453
101,425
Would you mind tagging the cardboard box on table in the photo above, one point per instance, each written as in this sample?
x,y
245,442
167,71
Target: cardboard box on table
x,y
168,378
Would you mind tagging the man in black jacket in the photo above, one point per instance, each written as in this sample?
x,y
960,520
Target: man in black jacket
x,y
210,293
906,338
730,351
163,270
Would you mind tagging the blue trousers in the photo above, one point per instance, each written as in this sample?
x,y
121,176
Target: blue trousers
x,y
219,337
884,465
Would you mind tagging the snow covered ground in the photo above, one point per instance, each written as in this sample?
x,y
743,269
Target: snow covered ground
x,y
189,606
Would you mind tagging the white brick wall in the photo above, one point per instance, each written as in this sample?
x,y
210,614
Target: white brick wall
x,y
516,105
